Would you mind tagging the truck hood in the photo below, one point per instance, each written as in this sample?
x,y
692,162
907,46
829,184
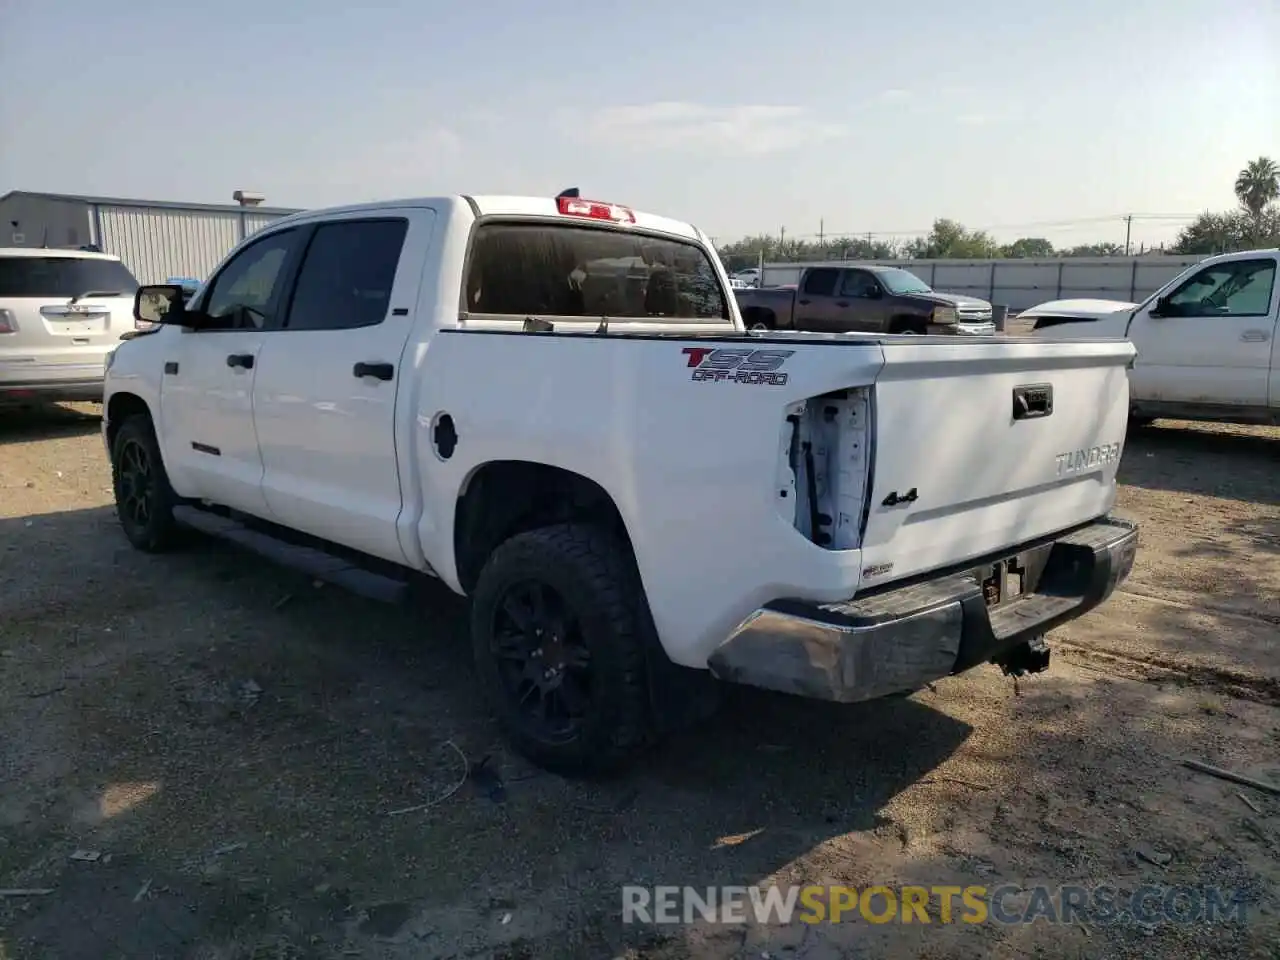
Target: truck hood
x,y
1078,309
947,299
1081,319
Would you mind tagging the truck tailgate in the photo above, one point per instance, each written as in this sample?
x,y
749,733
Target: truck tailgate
x,y
984,445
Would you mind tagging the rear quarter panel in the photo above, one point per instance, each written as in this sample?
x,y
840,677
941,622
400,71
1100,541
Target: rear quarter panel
x,y
690,464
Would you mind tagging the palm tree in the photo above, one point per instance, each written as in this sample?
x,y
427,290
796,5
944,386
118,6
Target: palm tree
x,y
1257,185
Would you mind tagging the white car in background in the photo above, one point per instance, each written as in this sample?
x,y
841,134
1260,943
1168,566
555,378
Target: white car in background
x,y
61,313
1208,341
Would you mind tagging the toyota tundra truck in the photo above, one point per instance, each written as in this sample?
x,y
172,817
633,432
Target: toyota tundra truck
x,y
553,406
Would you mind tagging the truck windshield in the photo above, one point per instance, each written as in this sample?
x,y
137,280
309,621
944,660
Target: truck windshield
x,y
544,270
56,277
902,281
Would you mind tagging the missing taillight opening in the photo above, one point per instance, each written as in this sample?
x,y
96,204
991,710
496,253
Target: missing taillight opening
x,y
824,467
594,210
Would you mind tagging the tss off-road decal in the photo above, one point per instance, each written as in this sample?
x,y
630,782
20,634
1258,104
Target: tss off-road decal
x,y
738,366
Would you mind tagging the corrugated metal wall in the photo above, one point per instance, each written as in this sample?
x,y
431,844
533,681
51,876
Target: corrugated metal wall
x,y
158,243
253,222
1020,284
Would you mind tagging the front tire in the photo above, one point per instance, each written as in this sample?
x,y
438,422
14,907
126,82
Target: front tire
x,y
144,499
558,624
912,327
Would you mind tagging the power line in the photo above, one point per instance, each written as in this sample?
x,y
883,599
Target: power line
x,y
1077,221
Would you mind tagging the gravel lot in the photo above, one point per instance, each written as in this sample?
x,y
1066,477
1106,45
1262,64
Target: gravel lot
x,y
231,740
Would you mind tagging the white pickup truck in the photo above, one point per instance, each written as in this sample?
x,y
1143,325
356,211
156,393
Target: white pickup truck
x,y
552,405
1207,341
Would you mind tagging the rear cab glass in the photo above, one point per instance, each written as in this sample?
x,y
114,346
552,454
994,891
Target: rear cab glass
x,y
549,270
64,277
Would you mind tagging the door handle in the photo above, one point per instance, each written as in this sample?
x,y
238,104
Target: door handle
x,y
243,360
1254,336
842,303
803,303
382,371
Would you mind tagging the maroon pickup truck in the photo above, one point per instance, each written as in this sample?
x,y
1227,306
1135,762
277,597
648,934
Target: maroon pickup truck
x,y
863,298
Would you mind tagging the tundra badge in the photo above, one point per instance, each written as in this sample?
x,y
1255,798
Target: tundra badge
x,y
1073,461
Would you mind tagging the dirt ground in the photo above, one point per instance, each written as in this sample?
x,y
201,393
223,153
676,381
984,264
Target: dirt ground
x,y
233,741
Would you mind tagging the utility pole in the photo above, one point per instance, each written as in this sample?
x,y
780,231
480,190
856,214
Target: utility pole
x,y
821,242
782,237
1128,230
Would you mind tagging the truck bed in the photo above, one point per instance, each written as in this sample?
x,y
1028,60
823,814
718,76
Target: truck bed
x,y
720,473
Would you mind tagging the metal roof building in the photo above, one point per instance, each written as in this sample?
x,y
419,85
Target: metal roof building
x,y
156,239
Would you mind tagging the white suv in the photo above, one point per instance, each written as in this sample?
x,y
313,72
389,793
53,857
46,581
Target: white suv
x,y
61,313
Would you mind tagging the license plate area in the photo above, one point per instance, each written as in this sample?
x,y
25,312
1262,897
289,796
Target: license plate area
x,y
78,327
1005,581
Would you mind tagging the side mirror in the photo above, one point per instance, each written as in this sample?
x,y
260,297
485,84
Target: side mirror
x,y
1159,309
160,303
874,293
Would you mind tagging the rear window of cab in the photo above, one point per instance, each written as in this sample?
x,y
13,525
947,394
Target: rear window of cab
x,y
550,270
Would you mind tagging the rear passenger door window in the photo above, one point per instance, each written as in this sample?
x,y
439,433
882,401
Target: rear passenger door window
x,y
820,282
346,275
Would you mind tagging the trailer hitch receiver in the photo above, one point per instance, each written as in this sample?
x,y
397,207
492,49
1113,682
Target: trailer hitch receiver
x,y
1030,656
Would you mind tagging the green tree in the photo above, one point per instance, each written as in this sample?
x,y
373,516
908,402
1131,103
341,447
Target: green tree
x,y
950,240
1257,185
745,253
1227,232
1104,249
1028,247
862,248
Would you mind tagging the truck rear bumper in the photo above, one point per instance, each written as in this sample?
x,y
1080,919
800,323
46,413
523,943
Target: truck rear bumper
x,y
903,638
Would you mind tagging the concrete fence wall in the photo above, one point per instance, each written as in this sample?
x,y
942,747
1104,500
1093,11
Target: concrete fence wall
x,y
1020,284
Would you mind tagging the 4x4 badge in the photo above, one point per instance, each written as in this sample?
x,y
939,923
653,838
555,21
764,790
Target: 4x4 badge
x,y
892,500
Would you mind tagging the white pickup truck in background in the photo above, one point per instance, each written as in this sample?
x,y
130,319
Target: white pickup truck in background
x,y
1207,341
552,405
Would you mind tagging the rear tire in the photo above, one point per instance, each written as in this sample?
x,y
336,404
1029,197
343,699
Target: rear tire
x,y
144,499
558,624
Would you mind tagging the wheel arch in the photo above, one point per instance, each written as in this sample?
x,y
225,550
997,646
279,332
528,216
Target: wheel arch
x,y
902,321
119,408
760,315
501,498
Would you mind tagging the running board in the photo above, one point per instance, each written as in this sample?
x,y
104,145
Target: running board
x,y
309,560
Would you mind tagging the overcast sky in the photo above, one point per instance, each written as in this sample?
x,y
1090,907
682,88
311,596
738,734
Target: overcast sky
x,y
1026,117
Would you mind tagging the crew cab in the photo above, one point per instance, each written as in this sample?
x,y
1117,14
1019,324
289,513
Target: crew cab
x,y
864,298
1207,346
553,406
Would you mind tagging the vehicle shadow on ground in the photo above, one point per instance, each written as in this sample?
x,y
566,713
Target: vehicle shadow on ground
x,y
1196,461
243,705
23,423
238,740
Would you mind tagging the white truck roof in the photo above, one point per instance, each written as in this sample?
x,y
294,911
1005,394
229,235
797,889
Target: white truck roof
x,y
502,205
